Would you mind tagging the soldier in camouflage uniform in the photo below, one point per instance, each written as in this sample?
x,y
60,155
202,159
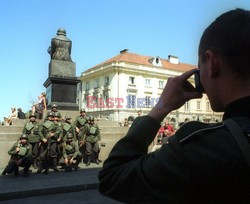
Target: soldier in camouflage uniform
x,y
49,150
31,130
68,127
71,153
21,155
59,132
80,124
54,109
92,137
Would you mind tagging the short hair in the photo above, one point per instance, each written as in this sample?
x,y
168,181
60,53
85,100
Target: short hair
x,y
229,37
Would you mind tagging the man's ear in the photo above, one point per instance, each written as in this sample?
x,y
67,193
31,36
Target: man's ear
x,y
213,63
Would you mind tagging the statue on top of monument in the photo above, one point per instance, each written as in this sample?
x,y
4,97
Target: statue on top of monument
x,y
60,48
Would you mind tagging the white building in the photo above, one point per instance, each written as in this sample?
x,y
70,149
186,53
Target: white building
x,y
117,88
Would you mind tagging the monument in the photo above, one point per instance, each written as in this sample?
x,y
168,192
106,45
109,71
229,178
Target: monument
x,y
61,85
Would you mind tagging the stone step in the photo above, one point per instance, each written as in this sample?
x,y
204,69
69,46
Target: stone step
x,y
13,188
107,123
6,129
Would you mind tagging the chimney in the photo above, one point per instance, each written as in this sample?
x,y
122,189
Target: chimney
x,y
123,51
173,59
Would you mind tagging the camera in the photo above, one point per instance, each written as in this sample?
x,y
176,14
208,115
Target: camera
x,y
197,81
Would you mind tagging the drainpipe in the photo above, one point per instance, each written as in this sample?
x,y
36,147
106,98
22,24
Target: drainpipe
x,y
118,87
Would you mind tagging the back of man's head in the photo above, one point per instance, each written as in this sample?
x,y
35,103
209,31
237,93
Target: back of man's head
x,y
229,37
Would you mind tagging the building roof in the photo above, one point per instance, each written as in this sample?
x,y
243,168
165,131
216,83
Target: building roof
x,y
133,58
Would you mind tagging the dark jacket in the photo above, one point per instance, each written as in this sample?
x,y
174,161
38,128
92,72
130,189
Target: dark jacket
x,y
21,115
201,163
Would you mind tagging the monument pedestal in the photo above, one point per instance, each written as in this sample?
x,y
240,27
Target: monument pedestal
x,y
62,92
61,68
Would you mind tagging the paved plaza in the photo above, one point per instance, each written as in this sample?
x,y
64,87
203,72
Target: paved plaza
x,y
19,187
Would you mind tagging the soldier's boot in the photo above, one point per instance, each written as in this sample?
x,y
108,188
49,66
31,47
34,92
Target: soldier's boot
x,y
46,167
39,170
88,160
39,166
46,171
35,164
76,167
68,168
8,169
96,158
26,172
54,165
5,171
16,171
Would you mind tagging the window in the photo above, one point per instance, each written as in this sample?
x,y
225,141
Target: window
x,y
95,98
96,83
106,80
87,85
161,84
131,101
86,100
208,106
106,97
186,107
131,80
147,82
147,101
198,105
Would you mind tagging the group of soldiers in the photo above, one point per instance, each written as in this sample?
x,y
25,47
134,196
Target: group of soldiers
x,y
55,142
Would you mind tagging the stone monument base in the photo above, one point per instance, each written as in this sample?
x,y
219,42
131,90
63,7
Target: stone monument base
x,y
61,68
62,91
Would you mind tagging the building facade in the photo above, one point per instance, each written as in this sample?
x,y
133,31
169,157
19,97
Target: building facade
x,y
121,86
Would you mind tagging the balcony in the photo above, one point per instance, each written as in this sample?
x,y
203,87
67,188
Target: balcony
x,y
97,89
106,87
132,88
87,91
148,90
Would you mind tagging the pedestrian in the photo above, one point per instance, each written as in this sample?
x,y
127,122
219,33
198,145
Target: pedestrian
x,y
13,115
201,163
92,137
31,130
20,114
71,154
21,156
68,127
54,108
49,150
39,107
80,125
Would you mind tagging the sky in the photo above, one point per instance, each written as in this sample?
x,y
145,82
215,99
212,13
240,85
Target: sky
x,y
99,29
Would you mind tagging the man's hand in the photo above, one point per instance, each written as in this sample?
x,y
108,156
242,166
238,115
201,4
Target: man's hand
x,y
177,91
77,130
17,149
71,160
44,140
66,161
51,134
81,143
